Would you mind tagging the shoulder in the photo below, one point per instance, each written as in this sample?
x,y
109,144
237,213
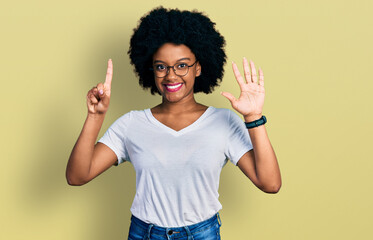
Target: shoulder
x,y
228,116
222,113
129,117
224,116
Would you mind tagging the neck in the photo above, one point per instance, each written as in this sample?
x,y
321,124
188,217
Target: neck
x,y
178,107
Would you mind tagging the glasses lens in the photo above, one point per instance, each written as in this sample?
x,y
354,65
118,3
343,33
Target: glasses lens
x,y
160,70
181,69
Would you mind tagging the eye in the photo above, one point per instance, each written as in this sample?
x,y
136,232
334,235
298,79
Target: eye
x,y
160,67
182,66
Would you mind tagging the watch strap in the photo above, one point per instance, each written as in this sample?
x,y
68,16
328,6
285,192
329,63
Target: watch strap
x,y
256,123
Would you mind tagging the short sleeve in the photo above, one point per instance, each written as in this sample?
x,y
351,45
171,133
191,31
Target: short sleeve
x,y
238,142
115,138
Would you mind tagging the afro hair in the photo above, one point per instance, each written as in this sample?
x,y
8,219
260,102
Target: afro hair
x,y
191,28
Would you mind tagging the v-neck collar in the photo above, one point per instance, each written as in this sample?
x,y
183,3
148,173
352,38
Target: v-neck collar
x,y
155,121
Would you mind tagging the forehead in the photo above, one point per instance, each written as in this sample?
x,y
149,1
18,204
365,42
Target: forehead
x,y
170,52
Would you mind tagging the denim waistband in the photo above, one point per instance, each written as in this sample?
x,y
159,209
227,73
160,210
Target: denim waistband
x,y
177,231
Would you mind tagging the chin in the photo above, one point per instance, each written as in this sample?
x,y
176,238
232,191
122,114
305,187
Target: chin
x,y
173,99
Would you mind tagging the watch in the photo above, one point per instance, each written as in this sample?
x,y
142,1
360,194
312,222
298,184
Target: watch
x,y
256,123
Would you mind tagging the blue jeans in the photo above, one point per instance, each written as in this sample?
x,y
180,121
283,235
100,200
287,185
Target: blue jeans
x,y
206,230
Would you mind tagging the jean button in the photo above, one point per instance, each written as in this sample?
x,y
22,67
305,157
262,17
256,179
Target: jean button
x,y
170,232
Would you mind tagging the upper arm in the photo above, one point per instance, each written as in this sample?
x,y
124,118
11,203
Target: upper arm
x,y
247,166
102,159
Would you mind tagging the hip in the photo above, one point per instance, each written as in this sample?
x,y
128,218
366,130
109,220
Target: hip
x,y
206,230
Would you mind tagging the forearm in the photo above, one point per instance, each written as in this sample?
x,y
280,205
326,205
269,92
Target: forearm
x,y
80,160
266,165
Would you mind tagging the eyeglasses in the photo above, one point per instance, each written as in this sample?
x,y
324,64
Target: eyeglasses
x,y
180,69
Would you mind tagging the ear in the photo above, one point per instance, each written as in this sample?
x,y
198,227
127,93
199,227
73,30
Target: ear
x,y
198,69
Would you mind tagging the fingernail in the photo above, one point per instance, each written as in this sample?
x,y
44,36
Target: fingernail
x,y
101,91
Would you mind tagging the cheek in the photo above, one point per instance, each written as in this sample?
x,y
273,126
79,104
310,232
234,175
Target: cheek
x,y
158,85
191,82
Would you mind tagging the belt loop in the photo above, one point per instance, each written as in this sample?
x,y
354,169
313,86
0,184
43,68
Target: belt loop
x,y
190,236
218,217
149,229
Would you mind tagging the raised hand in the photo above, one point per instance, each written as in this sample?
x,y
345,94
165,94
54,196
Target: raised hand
x,y
251,100
98,98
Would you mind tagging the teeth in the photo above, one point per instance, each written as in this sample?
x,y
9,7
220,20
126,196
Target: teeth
x,y
174,86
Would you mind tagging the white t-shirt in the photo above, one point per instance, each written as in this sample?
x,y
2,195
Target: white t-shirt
x,y
177,172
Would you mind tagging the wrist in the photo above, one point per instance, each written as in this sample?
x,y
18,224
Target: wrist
x,y
96,116
253,117
256,123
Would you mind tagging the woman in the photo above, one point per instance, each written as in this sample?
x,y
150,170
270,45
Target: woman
x,y
178,147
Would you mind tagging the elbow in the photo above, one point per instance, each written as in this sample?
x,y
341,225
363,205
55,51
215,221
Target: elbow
x,y
271,188
74,181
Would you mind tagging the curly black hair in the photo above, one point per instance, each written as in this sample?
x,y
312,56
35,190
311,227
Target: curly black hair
x,y
191,28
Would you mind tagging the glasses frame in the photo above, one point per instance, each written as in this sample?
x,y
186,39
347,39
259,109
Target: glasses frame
x,y
173,67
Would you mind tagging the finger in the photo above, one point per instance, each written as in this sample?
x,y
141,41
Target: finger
x,y
237,74
109,76
93,92
103,94
100,90
261,77
254,78
246,69
229,96
93,99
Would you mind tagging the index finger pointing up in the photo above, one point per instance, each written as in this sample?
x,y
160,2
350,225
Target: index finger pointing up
x,y
109,75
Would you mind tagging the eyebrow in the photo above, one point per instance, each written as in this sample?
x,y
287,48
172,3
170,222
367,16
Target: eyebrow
x,y
156,61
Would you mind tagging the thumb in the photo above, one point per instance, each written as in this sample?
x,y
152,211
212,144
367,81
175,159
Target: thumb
x,y
104,97
229,96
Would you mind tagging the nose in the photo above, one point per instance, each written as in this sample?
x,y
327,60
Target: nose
x,y
171,73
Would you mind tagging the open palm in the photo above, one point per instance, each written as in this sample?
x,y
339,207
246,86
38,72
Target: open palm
x,y
251,100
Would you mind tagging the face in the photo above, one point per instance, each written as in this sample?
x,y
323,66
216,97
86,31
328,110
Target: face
x,y
172,87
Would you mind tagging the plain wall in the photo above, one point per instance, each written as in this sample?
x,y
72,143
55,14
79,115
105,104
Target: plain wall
x,y
317,63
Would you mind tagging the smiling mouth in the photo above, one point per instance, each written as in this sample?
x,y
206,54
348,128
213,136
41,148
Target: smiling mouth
x,y
173,87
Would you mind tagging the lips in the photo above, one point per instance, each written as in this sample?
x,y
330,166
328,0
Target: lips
x,y
173,87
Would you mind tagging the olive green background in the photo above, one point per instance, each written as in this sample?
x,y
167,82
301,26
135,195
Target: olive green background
x,y
317,62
